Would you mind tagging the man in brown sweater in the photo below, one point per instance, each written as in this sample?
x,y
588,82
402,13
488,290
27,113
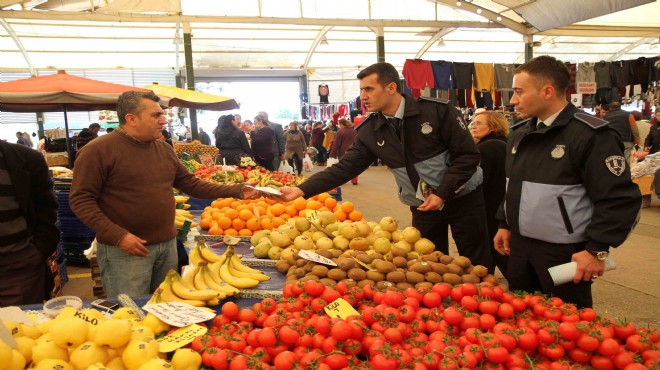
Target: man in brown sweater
x,y
122,189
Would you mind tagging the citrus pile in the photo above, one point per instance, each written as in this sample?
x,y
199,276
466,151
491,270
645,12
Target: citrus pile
x,y
235,217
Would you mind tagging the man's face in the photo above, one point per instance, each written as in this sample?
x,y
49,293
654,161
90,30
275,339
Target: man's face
x,y
148,124
527,98
238,119
375,96
94,130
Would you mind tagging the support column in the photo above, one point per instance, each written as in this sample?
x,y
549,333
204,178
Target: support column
x,y
304,88
380,44
190,76
529,47
40,123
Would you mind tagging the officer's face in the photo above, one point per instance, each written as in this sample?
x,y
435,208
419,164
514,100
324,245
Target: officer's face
x,y
527,97
375,96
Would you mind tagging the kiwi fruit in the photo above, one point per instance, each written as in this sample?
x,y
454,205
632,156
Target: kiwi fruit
x,y
324,253
335,253
439,268
470,278
455,269
404,285
438,254
424,284
365,282
337,274
375,276
309,277
365,258
282,266
414,277
320,271
422,267
377,256
385,267
446,259
491,279
400,262
384,285
409,263
395,276
399,252
349,282
480,271
300,272
429,258
433,277
462,261
452,279
357,274
328,282
301,262
309,265
346,263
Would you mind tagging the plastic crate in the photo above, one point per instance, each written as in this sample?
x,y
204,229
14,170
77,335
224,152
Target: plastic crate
x,y
72,239
336,193
72,226
62,271
74,254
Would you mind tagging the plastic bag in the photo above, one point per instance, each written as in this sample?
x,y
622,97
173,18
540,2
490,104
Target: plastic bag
x,y
286,167
332,161
308,165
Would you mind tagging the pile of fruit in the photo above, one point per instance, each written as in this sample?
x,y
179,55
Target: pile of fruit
x,y
238,175
228,216
194,148
182,214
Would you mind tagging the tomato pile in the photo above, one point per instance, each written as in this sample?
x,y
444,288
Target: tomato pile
x,y
445,327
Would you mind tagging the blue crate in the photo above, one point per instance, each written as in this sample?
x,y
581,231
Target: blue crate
x,y
73,239
63,203
336,194
62,271
59,250
72,226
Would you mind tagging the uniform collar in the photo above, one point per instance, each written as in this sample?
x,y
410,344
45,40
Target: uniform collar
x,y
548,121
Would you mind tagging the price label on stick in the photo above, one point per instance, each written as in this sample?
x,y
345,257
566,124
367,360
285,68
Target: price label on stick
x,y
314,257
180,337
207,160
178,314
312,216
340,308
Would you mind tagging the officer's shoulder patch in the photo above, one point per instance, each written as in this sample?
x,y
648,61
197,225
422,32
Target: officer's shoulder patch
x,y
591,121
436,100
520,124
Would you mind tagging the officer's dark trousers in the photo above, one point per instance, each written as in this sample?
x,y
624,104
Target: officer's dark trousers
x,y
466,216
528,269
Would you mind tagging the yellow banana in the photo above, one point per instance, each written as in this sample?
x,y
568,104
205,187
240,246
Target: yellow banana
x,y
198,279
194,257
178,224
212,284
180,290
189,276
238,265
186,206
207,253
229,290
213,302
167,295
242,274
237,282
185,214
179,199
155,298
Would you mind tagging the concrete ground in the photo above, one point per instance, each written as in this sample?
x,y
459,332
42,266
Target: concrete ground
x,y
631,292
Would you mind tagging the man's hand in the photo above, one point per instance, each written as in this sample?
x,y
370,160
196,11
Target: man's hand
x,y
249,193
501,241
432,203
133,245
289,194
588,266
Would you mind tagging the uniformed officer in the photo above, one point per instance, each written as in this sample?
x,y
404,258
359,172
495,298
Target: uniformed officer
x,y
428,148
569,193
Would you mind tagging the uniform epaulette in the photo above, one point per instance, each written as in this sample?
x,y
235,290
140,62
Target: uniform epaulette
x,y
367,117
437,100
591,121
520,124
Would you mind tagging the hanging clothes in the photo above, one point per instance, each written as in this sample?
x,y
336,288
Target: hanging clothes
x,y
504,76
585,73
463,75
603,72
418,73
442,74
621,73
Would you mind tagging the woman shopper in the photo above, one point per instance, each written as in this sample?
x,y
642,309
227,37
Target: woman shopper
x,y
318,134
489,130
343,140
295,147
230,140
262,144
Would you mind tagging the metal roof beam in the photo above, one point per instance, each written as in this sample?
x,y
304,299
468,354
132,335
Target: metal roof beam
x,y
488,14
315,44
19,44
628,48
603,31
432,40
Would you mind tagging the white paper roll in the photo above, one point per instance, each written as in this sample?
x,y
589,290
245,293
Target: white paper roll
x,y
562,274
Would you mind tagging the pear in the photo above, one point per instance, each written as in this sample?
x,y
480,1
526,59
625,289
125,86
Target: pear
x,y
53,364
113,333
115,364
316,235
290,230
24,346
261,250
155,324
31,331
124,313
403,245
49,350
186,359
411,234
258,236
388,224
97,366
88,354
280,239
424,246
332,227
358,244
6,353
156,364
382,245
69,333
326,218
137,353
302,242
141,332
383,234
397,235
363,228
324,243
275,253
14,328
341,242
302,224
348,230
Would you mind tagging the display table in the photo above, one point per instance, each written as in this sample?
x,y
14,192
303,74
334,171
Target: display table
x,y
645,184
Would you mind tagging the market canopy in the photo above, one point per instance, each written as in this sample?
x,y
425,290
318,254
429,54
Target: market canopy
x,y
178,97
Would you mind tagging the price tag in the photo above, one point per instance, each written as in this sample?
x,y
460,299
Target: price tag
x,y
340,308
180,337
312,216
178,314
311,256
207,160
363,264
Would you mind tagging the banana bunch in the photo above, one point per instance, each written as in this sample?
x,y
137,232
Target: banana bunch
x,y
297,180
180,199
181,216
228,177
202,253
176,289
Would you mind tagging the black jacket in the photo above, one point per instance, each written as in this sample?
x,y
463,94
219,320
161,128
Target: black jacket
x,y
435,145
493,153
653,139
34,189
569,183
231,142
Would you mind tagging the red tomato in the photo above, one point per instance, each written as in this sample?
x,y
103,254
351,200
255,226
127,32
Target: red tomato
x,y
314,288
443,289
567,330
528,341
220,360
239,362
285,360
246,315
406,313
381,362
497,354
336,361
637,343
601,363
341,331
587,343
453,316
609,347
469,303
394,299
432,299
267,337
289,336
230,309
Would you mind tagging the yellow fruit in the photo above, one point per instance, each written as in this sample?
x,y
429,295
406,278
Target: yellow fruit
x,y
49,350
124,313
53,364
69,333
44,338
88,354
24,346
31,331
156,364
6,353
142,332
66,313
98,366
186,359
113,333
115,364
137,353
17,361
14,328
155,324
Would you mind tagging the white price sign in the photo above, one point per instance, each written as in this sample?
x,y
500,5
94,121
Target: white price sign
x,y
311,256
178,314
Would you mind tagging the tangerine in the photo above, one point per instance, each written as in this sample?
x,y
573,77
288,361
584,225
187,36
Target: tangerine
x,y
238,224
291,211
278,208
224,222
331,203
215,230
253,224
340,215
300,203
245,214
231,232
266,223
205,223
278,221
231,213
347,207
314,204
245,232
355,216
323,196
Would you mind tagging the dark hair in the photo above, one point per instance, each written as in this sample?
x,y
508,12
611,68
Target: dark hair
x,y
166,134
225,122
548,69
386,74
637,115
109,130
129,103
615,105
94,125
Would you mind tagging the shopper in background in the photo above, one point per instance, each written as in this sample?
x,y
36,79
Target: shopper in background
x,y
166,137
86,135
29,235
279,145
569,194
248,128
623,123
295,147
318,135
652,142
329,137
123,191
433,132
343,140
489,130
230,140
238,120
204,138
27,138
21,140
262,144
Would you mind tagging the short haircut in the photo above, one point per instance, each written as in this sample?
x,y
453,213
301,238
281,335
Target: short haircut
x,y
547,69
615,105
496,122
129,102
94,125
344,122
386,74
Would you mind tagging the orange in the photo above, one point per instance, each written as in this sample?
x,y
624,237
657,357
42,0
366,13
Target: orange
x,y
224,222
231,213
347,207
260,210
238,224
205,223
323,196
314,204
302,213
277,221
253,224
285,216
340,215
291,211
245,214
262,203
214,204
355,216
322,209
235,204
245,232
277,209
215,230
231,232
300,203
266,223
270,201
330,202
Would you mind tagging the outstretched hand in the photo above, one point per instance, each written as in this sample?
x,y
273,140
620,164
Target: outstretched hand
x,y
289,194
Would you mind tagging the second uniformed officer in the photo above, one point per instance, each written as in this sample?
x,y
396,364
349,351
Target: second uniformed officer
x,y
434,160
569,194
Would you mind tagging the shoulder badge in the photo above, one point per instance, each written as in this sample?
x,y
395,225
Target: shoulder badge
x,y
520,124
616,164
591,121
436,100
